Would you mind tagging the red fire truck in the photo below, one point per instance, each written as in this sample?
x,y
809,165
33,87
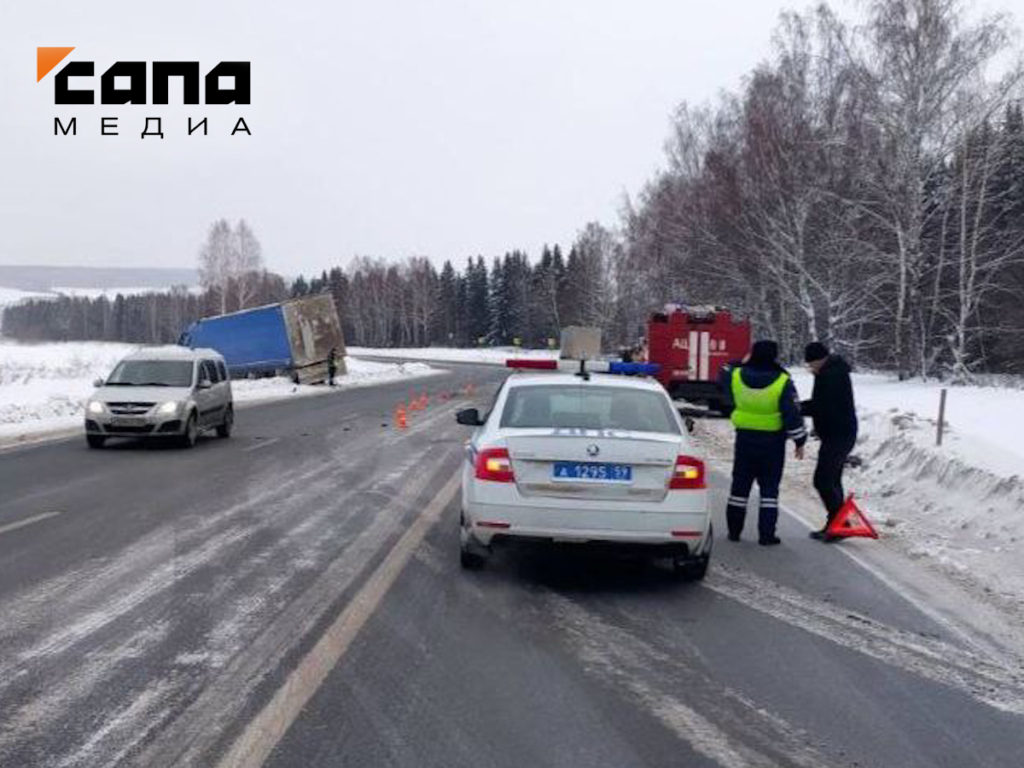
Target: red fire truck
x,y
692,344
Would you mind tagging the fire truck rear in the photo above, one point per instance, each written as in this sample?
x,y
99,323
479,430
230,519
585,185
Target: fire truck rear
x,y
692,344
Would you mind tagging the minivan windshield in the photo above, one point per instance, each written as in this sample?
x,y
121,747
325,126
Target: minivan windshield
x,y
152,373
588,407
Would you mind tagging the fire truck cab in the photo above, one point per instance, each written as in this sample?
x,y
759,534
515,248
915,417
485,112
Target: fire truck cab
x,y
692,344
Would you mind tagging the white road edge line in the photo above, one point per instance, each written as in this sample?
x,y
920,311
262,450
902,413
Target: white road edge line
x,y
885,579
27,521
268,727
894,586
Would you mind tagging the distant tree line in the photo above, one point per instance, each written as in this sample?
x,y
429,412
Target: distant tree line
x,y
149,318
509,301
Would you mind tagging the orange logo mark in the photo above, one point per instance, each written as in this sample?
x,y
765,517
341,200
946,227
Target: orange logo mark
x,y
48,58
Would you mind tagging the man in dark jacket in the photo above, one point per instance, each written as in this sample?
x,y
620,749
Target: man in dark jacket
x,y
765,412
832,410
332,365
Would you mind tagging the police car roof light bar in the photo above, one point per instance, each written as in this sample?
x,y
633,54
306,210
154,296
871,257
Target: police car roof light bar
x,y
584,368
538,365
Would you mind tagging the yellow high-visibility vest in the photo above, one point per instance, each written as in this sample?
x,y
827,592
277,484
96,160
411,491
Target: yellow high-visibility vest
x,y
757,409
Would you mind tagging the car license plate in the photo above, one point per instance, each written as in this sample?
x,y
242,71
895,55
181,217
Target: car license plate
x,y
127,421
588,471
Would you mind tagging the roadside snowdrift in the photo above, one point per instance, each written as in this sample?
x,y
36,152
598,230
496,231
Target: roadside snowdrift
x,y
43,386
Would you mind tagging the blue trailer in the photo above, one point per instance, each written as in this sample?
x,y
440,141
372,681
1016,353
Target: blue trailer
x,y
294,337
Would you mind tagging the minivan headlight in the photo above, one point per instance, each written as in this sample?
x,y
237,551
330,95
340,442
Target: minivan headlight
x,y
95,407
168,409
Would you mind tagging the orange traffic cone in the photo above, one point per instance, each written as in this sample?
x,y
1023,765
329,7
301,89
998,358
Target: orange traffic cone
x,y
849,522
400,419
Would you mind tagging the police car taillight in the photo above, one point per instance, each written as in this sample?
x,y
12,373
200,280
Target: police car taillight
x,y
688,474
495,465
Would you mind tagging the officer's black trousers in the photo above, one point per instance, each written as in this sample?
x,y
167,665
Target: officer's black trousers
x,y
758,456
828,474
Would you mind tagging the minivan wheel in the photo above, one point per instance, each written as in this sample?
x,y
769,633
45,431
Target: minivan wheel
x,y
224,430
191,434
95,441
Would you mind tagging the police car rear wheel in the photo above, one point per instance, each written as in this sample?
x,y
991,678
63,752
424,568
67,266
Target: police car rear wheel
x,y
689,569
468,559
695,568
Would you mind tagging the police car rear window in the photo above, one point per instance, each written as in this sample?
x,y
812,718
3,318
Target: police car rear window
x,y
588,407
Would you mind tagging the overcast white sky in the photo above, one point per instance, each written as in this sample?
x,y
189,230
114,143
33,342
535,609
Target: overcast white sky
x,y
389,128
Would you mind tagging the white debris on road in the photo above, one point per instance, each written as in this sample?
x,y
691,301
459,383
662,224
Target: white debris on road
x,y
43,386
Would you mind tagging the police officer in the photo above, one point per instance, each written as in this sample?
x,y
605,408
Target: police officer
x,y
834,415
765,412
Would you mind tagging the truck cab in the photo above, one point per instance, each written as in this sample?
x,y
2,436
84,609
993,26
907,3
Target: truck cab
x,y
692,345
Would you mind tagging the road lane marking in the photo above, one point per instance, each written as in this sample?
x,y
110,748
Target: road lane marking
x,y
265,730
262,444
712,713
27,521
911,591
993,683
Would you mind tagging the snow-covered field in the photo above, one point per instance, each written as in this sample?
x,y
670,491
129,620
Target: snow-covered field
x,y
43,386
957,509
494,355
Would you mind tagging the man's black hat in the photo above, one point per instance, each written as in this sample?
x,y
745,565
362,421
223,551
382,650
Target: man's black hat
x,y
815,351
764,353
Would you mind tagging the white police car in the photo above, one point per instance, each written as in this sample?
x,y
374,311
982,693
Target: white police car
x,y
583,457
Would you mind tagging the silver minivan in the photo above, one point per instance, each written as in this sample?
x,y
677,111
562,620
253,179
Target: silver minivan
x,y
162,392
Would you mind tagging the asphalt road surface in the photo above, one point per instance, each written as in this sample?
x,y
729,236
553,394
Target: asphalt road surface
x,y
292,597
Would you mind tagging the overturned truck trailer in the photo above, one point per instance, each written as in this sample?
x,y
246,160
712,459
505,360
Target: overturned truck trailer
x,y
293,338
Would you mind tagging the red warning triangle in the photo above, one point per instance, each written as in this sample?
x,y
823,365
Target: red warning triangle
x,y
48,58
850,521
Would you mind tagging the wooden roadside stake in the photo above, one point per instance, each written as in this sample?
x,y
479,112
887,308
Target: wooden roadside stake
x,y
940,427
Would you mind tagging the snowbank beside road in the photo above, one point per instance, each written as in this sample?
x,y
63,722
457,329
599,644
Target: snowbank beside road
x,y
491,355
43,386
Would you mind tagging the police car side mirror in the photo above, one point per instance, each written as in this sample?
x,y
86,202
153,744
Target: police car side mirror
x,y
204,384
470,417
98,383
